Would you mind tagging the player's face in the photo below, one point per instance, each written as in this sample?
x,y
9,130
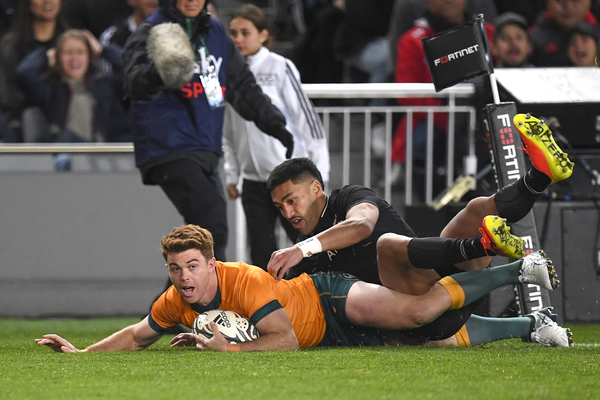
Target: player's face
x,y
568,12
246,36
190,8
582,50
74,58
46,10
512,46
193,276
298,204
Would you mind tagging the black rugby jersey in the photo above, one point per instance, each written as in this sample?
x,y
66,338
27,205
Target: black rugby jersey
x,y
359,259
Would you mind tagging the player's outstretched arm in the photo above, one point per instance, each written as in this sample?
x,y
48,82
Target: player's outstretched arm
x,y
358,225
57,344
276,333
282,260
134,337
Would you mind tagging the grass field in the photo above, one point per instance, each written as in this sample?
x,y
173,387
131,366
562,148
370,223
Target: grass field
x,y
504,370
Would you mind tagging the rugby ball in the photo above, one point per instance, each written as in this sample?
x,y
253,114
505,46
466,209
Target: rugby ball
x,y
234,327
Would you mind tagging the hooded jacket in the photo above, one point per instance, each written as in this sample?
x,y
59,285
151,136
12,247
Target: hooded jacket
x,y
550,41
172,124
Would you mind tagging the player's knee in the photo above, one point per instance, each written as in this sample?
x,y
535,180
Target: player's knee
x,y
481,206
389,244
422,314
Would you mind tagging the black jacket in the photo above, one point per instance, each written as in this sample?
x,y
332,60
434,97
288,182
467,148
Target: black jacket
x,y
169,123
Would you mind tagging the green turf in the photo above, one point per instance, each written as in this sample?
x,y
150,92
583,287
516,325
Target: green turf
x,y
504,370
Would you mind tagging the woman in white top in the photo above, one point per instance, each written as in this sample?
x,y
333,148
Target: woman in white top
x,y
250,155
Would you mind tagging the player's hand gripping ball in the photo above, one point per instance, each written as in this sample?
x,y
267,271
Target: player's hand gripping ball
x,y
234,327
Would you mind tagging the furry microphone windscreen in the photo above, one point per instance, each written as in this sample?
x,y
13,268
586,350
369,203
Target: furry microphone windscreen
x,y
170,49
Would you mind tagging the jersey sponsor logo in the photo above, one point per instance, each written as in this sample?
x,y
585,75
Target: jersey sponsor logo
x,y
456,55
266,79
331,254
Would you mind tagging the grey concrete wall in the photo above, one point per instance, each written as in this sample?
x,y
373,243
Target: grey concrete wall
x,y
81,243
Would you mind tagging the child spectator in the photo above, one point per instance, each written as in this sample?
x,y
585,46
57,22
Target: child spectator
x,y
583,45
252,155
550,36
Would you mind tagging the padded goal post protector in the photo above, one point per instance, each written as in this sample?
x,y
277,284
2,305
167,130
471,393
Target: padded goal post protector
x,y
509,165
458,54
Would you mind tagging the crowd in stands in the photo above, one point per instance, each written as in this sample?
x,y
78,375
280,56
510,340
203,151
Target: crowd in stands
x,y
336,41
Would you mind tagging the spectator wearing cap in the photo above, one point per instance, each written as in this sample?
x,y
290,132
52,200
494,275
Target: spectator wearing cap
x,y
511,46
583,45
550,36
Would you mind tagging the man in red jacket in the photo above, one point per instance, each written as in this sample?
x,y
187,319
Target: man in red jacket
x,y
411,66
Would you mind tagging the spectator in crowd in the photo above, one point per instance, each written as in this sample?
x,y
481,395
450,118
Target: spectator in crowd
x,y
80,103
406,12
7,11
550,36
177,133
595,9
361,41
119,33
313,53
411,67
252,155
6,133
511,46
95,15
530,9
583,45
36,24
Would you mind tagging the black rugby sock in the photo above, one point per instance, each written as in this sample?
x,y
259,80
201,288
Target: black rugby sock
x,y
536,182
429,253
514,201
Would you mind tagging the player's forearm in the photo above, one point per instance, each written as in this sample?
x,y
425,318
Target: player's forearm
x,y
345,234
119,341
277,341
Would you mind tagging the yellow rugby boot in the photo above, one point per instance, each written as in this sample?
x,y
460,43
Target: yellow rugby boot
x,y
546,156
497,239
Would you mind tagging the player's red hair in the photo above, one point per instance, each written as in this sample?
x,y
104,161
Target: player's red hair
x,y
188,237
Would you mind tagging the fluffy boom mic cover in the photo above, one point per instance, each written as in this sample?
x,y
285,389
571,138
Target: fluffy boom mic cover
x,y
170,49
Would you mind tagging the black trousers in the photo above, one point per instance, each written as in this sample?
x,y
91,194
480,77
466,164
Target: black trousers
x,y
194,187
261,216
